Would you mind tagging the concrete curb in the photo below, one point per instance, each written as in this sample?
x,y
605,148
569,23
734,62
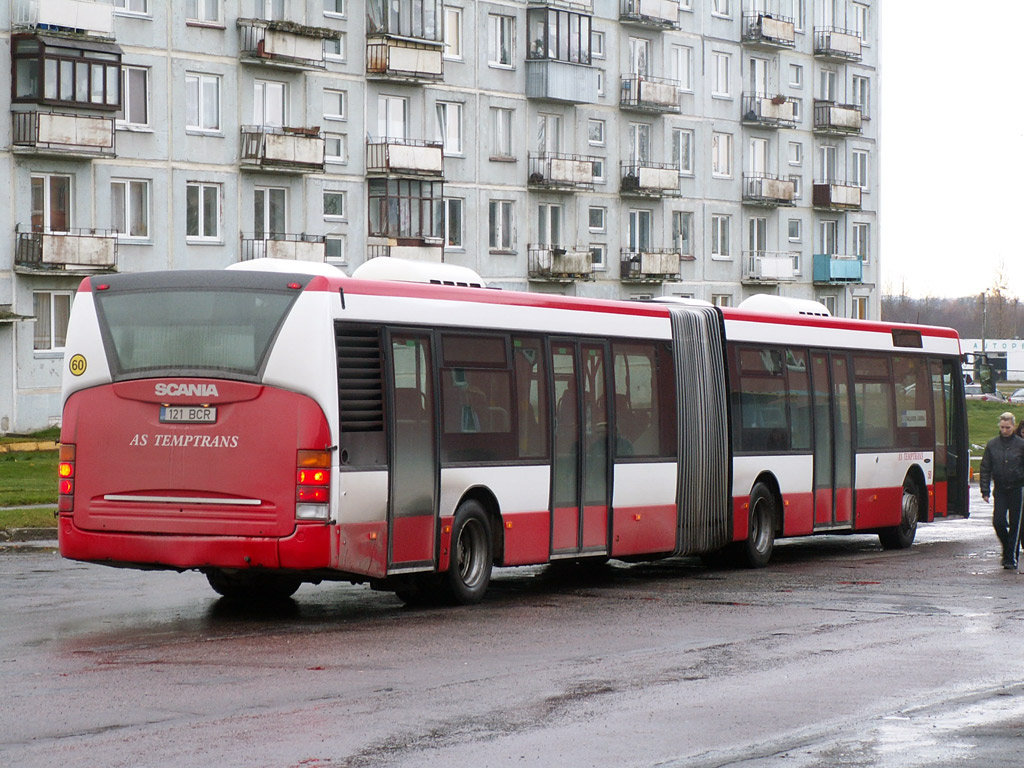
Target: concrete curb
x,y
28,534
28,446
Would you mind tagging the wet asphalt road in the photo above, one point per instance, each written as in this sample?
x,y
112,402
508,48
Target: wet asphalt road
x,y
838,654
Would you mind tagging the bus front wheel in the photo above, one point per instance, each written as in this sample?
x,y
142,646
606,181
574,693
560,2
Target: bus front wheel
x,y
472,555
902,536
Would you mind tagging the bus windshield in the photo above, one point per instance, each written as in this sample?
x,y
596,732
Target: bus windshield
x,y
190,331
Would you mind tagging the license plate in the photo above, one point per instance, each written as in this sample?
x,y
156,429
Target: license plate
x,y
187,414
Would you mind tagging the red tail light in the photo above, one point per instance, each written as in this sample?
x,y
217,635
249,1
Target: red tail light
x,y
66,479
312,485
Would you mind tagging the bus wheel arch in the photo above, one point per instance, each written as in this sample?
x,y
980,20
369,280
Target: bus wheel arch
x,y
913,509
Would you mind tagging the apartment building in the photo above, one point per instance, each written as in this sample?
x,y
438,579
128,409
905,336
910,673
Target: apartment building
x,y
712,149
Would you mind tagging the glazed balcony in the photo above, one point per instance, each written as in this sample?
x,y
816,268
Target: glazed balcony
x,y
63,135
415,251
833,269
649,94
402,157
835,196
282,43
404,60
769,111
285,150
837,119
837,44
95,19
565,81
769,267
560,264
766,30
77,251
650,180
659,14
292,247
651,265
768,190
560,172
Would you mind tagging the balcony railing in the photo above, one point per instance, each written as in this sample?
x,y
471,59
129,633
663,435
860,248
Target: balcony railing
x,y
837,44
829,117
283,43
556,80
282,246
559,263
836,196
769,111
403,59
649,94
769,266
768,30
82,16
650,180
769,190
77,250
561,172
420,252
63,134
833,269
405,157
291,150
650,13
651,265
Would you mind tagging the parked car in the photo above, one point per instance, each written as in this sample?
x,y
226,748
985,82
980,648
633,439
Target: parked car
x,y
1017,398
973,392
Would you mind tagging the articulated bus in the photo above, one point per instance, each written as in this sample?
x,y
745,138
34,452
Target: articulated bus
x,y
271,424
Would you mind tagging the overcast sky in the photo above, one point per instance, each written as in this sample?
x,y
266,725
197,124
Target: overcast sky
x,y
952,147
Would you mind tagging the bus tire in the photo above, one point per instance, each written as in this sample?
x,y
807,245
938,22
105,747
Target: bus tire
x,y
252,586
902,536
472,555
757,549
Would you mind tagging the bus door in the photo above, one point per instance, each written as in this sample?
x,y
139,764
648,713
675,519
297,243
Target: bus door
x,y
951,460
413,462
833,441
579,484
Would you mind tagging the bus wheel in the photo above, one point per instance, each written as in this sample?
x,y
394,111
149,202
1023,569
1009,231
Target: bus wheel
x,y
902,536
757,549
472,555
252,586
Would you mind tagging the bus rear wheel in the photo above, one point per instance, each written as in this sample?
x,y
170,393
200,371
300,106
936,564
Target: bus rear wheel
x,y
756,551
472,555
902,536
252,586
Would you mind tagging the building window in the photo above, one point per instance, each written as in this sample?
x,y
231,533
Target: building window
x,y
859,160
720,7
721,299
796,153
597,45
796,75
406,18
453,33
862,241
682,233
453,207
827,85
682,66
828,159
334,104
598,256
51,203
719,236
549,224
271,10
336,147
334,7
202,217
598,170
596,218
270,212
499,225
129,207
202,102
595,133
829,231
721,155
88,74
269,102
52,310
411,208
796,230
204,11
722,86
501,132
449,127
682,150
860,308
336,249
135,95
860,21
559,35
831,304
132,6
798,186
862,94
500,40
334,205
334,47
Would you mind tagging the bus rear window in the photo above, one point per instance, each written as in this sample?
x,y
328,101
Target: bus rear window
x,y
190,331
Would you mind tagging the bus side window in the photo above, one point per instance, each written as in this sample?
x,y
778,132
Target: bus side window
x,y
531,386
874,403
644,383
914,422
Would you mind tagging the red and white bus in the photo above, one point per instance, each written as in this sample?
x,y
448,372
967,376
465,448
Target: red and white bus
x,y
274,425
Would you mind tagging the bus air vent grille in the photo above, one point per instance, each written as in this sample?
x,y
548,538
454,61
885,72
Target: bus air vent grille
x,y
360,379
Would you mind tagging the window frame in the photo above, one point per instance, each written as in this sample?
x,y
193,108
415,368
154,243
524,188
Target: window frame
x,y
123,227
720,236
201,236
195,83
51,322
501,28
501,226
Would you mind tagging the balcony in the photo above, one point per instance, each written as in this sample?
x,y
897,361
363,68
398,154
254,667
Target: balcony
x,y
833,196
287,150
769,111
765,30
650,180
832,269
767,190
837,44
408,157
81,16
429,252
63,135
561,173
651,265
413,61
282,44
649,94
662,14
566,81
837,119
293,247
77,251
559,264
764,267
